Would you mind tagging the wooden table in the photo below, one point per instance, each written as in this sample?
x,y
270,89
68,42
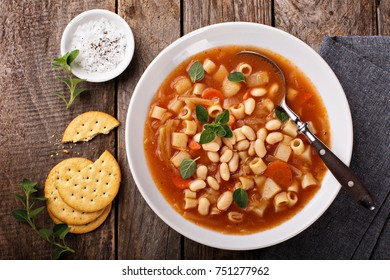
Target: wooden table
x,y
32,120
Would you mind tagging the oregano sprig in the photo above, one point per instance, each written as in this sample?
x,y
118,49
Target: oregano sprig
x,y
64,63
236,77
188,167
196,72
217,128
281,114
240,196
29,214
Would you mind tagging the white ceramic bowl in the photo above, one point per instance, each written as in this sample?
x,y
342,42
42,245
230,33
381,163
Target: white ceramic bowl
x,y
247,34
83,18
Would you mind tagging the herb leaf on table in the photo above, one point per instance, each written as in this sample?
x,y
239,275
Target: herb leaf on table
x,y
64,63
29,213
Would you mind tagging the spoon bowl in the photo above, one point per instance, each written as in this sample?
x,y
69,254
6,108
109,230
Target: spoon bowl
x,y
340,171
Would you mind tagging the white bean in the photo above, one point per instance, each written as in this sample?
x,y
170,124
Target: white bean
x,y
225,200
197,185
224,171
273,124
213,156
211,147
201,172
257,92
226,156
274,137
213,183
261,134
242,145
203,206
260,148
249,105
248,132
233,163
251,149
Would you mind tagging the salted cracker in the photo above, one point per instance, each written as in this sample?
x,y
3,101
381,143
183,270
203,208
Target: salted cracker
x,y
80,229
59,174
94,187
87,125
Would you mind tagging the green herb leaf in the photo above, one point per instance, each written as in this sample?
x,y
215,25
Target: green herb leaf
x,y
220,131
211,126
196,72
207,136
72,56
29,214
236,77
45,233
60,231
20,214
34,213
57,253
281,114
240,196
201,114
187,168
229,132
222,118
28,187
64,63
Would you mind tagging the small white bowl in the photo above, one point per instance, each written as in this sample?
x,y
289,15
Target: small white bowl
x,y
85,17
246,34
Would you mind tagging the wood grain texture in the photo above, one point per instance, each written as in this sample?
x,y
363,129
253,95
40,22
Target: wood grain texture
x,y
32,120
141,234
197,14
311,20
383,11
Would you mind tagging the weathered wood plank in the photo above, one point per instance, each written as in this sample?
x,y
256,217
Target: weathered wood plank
x,y
202,13
198,14
141,234
383,11
311,20
33,120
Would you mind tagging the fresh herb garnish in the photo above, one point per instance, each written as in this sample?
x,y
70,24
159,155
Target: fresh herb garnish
x,y
240,196
281,114
236,77
187,167
64,63
217,128
201,114
196,72
54,236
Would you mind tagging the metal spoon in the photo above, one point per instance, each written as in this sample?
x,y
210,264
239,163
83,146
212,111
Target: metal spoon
x,y
339,170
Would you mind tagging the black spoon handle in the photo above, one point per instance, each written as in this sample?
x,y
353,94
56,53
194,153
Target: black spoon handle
x,y
340,171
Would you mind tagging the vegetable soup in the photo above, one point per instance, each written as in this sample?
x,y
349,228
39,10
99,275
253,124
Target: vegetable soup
x,y
222,152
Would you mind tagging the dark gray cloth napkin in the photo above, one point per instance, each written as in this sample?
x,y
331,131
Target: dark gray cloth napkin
x,y
347,230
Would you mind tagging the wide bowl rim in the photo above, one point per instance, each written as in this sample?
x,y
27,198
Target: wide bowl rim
x,y
96,14
185,226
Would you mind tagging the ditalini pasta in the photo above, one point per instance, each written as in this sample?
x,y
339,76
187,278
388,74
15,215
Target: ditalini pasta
x,y
256,152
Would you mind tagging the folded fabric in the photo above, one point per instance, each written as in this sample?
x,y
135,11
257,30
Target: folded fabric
x,y
347,230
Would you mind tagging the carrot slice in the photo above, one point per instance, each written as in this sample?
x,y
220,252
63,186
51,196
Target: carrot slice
x,y
280,172
193,145
247,94
212,93
179,182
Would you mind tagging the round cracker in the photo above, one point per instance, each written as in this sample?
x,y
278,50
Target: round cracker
x,y
60,173
94,187
87,125
80,229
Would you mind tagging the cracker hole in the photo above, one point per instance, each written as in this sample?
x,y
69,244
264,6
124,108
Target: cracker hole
x,y
94,190
104,193
82,197
85,188
72,211
91,200
107,183
87,178
97,181
58,178
63,209
72,194
67,179
82,124
105,127
96,122
78,132
100,171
